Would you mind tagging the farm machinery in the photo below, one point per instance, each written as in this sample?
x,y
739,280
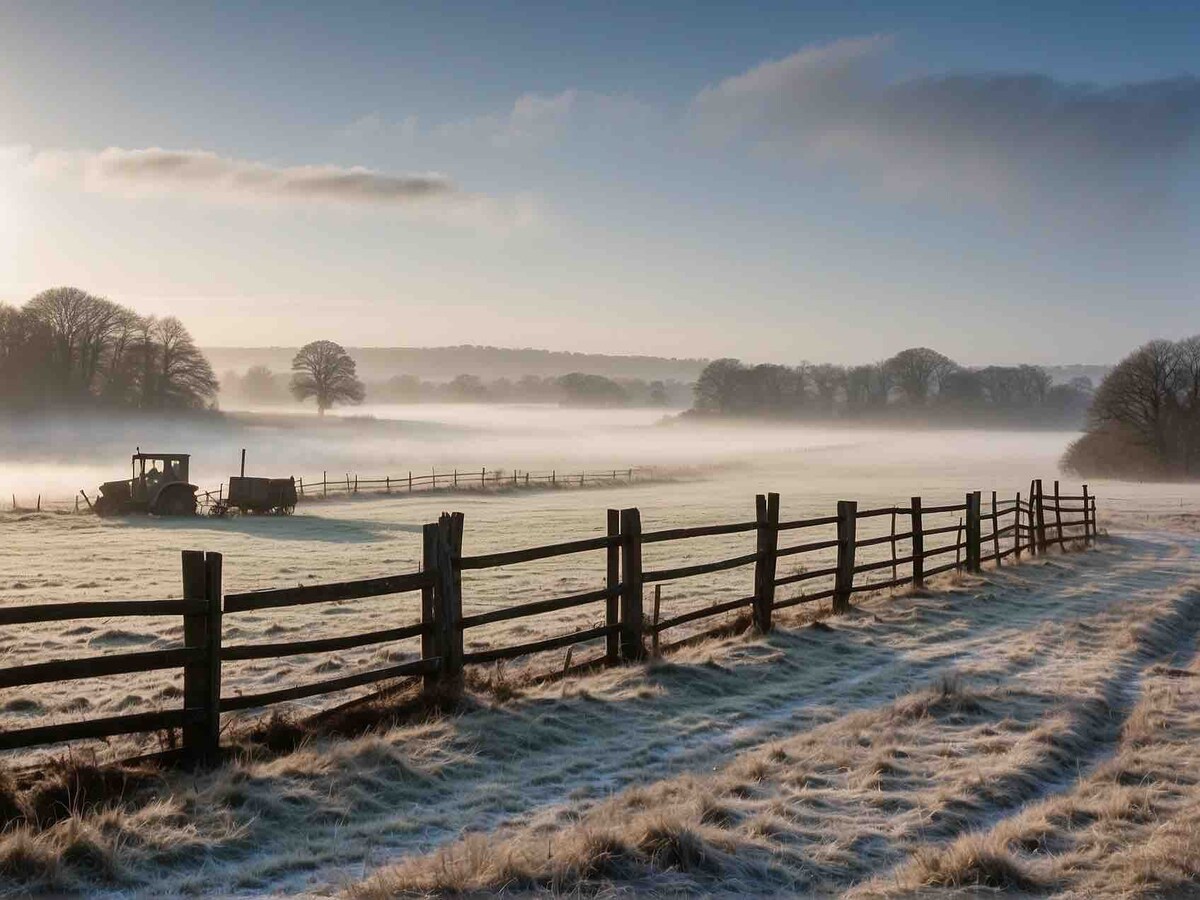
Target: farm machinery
x,y
264,496
159,486
158,491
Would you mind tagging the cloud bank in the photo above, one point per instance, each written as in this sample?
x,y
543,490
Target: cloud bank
x,y
998,136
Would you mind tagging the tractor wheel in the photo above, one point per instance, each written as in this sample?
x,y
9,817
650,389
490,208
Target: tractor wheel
x,y
177,502
105,506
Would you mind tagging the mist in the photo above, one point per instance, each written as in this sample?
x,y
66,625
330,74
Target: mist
x,y
57,455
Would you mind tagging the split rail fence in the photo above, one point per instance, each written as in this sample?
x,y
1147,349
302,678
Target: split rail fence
x,y
1029,525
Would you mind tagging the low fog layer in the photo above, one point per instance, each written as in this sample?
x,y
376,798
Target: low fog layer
x,y
56,456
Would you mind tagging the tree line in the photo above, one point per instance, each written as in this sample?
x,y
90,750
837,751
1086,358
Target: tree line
x,y
917,380
262,386
66,347
1145,418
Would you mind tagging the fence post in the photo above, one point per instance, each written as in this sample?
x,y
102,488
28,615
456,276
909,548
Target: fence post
x,y
766,515
995,531
974,532
847,527
431,636
1017,526
325,484
202,679
1040,513
301,485
1058,515
918,545
632,647
1087,517
448,597
612,603
410,481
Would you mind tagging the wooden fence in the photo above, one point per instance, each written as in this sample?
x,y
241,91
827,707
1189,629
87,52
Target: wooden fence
x,y
352,483
1029,525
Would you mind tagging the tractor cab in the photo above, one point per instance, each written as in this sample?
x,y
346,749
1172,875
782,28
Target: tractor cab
x,y
152,471
158,484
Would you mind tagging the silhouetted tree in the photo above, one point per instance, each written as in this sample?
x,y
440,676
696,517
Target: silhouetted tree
x,y
918,373
324,370
591,390
1145,416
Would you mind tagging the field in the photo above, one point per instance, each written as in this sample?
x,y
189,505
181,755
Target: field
x,y
1026,728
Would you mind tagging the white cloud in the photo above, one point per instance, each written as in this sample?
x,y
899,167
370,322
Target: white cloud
x,y
206,177
999,136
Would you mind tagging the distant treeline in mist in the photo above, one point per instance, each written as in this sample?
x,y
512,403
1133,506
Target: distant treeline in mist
x,y
918,384
260,386
442,364
1145,419
68,348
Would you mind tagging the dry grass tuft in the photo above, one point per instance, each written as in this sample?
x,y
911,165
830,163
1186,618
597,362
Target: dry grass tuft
x,y
971,861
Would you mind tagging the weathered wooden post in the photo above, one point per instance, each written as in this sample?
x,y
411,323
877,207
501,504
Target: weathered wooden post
x,y
1058,532
847,528
410,481
766,515
325,484
387,484
995,531
1018,527
448,597
1088,529
301,482
1040,513
612,603
632,647
918,544
202,679
974,532
431,637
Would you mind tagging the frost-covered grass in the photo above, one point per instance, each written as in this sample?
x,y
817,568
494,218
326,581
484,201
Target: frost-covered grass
x,y
921,741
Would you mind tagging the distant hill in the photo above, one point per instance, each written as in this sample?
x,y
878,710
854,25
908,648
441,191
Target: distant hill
x,y
438,363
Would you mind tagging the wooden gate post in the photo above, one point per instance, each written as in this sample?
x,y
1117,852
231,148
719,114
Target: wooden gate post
x,y
974,532
1088,525
918,544
202,679
847,528
632,647
1040,516
431,637
612,603
995,531
767,517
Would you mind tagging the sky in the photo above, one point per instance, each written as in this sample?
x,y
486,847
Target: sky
x,y
1006,182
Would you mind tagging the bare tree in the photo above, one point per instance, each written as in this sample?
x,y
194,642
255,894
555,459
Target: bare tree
x,y
828,381
918,372
324,370
183,377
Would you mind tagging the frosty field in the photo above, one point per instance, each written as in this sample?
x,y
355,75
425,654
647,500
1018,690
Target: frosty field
x,y
924,740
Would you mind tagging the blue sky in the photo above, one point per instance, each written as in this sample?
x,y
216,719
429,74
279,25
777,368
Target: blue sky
x,y
1006,182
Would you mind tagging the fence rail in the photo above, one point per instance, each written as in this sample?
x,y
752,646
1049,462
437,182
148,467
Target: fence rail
x,y
438,622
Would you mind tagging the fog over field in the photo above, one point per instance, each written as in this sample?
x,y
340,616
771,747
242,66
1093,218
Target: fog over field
x,y
58,455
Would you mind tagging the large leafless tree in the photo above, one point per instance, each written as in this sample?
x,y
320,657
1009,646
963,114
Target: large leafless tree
x,y
325,371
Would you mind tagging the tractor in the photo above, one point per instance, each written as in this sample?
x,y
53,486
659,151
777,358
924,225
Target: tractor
x,y
161,490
